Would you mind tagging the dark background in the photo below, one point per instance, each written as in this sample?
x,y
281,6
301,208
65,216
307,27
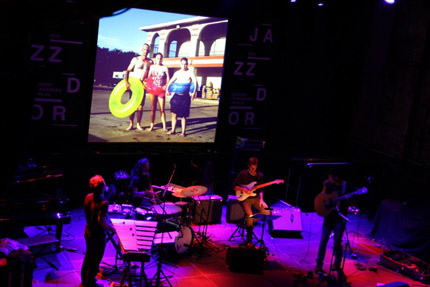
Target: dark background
x,y
348,81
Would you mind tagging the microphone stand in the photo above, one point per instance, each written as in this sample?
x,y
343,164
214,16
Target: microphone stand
x,y
341,275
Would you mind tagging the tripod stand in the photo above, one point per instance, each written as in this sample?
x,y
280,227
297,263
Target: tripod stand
x,y
241,228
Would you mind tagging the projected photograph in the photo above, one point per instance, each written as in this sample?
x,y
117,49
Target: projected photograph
x,y
157,77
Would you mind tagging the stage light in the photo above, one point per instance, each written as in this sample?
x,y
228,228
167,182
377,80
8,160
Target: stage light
x,y
293,1
390,1
320,4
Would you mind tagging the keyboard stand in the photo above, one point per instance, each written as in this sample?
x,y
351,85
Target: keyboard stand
x,y
135,240
39,245
126,273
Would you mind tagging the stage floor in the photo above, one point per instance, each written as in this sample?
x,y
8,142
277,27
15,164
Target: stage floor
x,y
290,261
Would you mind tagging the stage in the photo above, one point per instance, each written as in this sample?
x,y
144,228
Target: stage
x,y
290,261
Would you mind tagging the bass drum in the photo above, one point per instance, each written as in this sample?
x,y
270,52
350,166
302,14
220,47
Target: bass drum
x,y
184,240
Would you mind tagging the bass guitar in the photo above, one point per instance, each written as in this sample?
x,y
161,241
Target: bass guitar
x,y
325,203
245,191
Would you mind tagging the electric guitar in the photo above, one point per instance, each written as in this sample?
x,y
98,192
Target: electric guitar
x,y
325,203
245,191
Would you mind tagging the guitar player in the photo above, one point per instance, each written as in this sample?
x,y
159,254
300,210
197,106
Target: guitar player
x,y
245,177
334,221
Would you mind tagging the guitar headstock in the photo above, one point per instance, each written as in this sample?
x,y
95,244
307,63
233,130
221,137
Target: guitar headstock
x,y
362,190
278,181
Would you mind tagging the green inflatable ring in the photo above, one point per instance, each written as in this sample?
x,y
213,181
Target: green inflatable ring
x,y
116,107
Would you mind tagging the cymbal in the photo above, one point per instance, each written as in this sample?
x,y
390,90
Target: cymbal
x,y
194,190
178,194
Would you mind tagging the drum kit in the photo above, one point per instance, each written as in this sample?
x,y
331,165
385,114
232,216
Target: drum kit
x,y
174,218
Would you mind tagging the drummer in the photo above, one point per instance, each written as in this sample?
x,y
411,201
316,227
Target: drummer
x,y
140,184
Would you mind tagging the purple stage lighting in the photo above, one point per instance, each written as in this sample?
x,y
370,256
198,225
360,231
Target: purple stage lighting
x,y
390,1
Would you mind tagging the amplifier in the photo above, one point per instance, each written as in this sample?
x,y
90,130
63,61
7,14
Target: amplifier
x,y
289,225
235,213
245,260
207,209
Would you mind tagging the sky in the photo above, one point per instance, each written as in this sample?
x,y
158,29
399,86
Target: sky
x,y
122,31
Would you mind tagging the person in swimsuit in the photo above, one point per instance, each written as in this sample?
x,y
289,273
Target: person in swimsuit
x,y
158,76
139,67
181,102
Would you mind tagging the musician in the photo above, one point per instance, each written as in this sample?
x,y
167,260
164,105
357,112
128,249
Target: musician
x,y
245,177
334,220
97,223
142,193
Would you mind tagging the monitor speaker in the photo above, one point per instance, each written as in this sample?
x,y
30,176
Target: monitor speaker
x,y
289,224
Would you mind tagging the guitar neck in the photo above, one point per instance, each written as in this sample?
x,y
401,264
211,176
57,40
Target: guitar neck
x,y
360,191
264,185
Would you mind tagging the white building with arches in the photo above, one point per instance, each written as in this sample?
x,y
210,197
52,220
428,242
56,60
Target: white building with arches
x,y
200,39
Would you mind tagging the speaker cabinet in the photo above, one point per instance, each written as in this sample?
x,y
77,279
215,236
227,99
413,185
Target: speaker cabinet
x,y
245,260
207,209
235,213
289,224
